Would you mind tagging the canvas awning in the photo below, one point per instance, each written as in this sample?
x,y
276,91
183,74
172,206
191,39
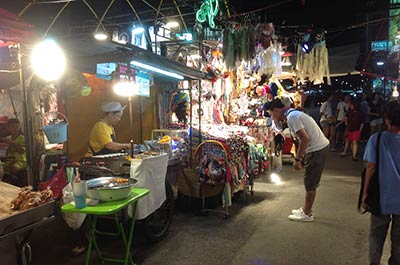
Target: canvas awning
x,y
13,29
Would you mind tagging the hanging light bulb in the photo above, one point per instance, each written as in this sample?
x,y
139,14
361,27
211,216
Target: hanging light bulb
x,y
48,60
286,61
100,35
395,93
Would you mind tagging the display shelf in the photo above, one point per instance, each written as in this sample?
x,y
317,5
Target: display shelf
x,y
177,147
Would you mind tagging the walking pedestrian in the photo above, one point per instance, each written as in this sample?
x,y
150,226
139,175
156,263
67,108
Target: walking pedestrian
x,y
375,113
327,120
364,108
355,124
389,186
342,108
311,152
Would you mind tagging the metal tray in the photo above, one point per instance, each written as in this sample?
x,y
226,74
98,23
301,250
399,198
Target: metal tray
x,y
27,217
105,189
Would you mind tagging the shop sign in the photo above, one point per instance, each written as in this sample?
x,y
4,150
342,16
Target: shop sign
x,y
143,82
105,70
382,45
185,36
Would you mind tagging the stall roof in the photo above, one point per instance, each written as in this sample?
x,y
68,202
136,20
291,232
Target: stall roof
x,y
84,54
13,29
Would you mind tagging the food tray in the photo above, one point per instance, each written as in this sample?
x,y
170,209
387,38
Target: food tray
x,y
23,218
109,188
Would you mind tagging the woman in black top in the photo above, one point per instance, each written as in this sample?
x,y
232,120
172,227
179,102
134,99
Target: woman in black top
x,y
375,113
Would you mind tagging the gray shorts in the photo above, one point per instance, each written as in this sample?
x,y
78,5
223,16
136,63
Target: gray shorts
x,y
314,164
376,122
326,123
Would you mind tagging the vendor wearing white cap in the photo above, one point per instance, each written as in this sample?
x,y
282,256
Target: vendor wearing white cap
x,y
102,135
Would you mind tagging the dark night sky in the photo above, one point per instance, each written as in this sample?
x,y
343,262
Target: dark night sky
x,y
333,16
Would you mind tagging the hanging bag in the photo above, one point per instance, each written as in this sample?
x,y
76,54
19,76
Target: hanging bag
x,y
373,199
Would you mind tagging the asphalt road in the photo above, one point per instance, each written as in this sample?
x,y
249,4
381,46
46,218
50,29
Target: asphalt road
x,y
258,232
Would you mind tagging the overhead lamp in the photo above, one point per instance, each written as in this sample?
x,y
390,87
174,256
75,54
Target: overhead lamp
x,y
172,25
380,63
125,88
286,61
308,43
100,35
137,30
395,93
307,46
48,60
157,70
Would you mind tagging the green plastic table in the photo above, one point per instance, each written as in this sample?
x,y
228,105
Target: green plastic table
x,y
109,208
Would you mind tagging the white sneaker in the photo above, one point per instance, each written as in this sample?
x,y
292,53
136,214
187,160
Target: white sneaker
x,y
301,217
297,211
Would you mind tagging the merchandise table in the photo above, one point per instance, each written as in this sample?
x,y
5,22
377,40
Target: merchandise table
x,y
110,208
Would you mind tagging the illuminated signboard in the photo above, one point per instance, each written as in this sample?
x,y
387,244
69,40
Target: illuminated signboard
x,y
105,70
382,45
143,82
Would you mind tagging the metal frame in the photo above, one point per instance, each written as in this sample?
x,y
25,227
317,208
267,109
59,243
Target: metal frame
x,y
101,18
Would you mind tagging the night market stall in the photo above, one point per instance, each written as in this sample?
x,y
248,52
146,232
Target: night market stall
x,y
21,210
148,163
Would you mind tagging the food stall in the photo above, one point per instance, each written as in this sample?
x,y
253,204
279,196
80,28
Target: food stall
x,y
143,117
21,210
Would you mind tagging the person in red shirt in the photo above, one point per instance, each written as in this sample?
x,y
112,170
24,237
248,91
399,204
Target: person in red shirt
x,y
354,121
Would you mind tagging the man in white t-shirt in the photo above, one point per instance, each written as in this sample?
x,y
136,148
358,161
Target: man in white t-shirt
x,y
341,110
311,153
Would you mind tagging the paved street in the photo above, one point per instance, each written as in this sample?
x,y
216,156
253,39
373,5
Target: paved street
x,y
257,233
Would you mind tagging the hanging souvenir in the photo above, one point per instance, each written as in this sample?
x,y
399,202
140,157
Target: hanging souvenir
x,y
212,74
274,89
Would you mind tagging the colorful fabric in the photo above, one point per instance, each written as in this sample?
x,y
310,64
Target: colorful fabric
x,y
180,98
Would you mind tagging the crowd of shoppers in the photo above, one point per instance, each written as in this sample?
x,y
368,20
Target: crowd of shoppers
x,y
346,121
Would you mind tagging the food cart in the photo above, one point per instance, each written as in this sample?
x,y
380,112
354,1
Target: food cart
x,y
17,226
85,55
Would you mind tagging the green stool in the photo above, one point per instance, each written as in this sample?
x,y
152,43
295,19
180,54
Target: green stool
x,y
110,208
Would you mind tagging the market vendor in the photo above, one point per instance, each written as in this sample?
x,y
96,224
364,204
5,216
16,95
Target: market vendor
x,y
15,161
178,106
102,136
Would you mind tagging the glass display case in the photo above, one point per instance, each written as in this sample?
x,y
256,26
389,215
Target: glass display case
x,y
174,142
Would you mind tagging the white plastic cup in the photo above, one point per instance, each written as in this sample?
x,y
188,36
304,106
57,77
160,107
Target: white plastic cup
x,y
79,190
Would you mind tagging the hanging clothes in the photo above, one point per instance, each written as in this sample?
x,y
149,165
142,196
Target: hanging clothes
x,y
313,65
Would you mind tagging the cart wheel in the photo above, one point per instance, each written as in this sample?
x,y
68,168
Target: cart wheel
x,y
156,225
